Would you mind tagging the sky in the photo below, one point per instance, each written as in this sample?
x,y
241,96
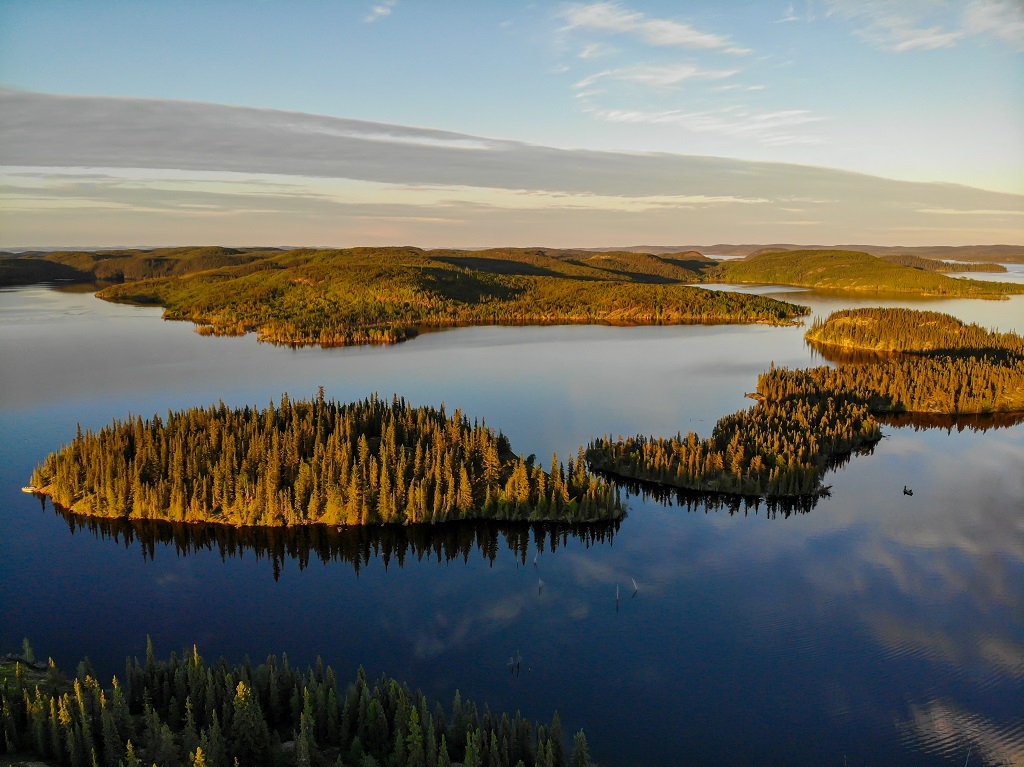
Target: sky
x,y
490,123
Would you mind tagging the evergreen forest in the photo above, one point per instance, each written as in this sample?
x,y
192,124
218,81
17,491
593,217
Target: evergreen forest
x,y
943,267
806,420
293,463
387,295
909,330
188,713
850,270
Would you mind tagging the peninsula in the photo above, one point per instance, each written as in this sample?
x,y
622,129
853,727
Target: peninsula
x,y
806,420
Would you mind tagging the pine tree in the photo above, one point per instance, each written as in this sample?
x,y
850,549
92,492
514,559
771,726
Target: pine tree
x,y
416,754
580,751
250,736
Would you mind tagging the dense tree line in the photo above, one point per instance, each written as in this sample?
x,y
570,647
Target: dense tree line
x,y
805,420
933,384
850,270
186,712
909,330
944,267
779,447
369,462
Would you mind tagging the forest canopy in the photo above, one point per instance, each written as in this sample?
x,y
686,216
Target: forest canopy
x,y
387,295
294,463
338,297
909,330
851,270
185,712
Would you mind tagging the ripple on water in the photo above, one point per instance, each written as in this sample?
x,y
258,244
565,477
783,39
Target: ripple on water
x,y
941,727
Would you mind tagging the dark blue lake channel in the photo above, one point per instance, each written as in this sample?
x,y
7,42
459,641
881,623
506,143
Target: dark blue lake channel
x,y
874,629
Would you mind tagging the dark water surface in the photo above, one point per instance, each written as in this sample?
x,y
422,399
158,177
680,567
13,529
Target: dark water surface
x,y
874,629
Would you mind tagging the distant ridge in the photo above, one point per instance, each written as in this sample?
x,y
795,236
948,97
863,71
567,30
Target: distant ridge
x,y
1005,253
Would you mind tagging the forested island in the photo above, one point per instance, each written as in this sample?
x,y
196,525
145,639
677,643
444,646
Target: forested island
x,y
184,711
318,462
990,255
943,267
805,420
911,331
851,271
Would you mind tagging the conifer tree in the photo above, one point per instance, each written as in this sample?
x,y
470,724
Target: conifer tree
x,y
250,737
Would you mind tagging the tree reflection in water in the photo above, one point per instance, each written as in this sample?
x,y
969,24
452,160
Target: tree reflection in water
x,y
355,545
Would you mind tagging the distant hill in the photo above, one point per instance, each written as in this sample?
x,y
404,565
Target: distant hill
x,y
849,270
29,271
1008,254
943,267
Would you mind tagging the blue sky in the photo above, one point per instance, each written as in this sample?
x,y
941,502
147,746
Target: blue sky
x,y
907,90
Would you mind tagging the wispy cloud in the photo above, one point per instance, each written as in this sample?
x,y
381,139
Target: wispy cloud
x,y
733,121
952,212
789,16
614,18
631,91
894,25
597,51
737,87
655,76
1002,19
899,35
283,177
379,11
909,25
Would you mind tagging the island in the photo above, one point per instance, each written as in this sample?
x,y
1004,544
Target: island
x,y
849,270
911,331
370,462
185,711
807,420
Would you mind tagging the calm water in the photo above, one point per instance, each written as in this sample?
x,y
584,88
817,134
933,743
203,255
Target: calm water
x,y
876,629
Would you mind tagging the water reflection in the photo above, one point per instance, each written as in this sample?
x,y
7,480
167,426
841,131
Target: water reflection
x,y
943,727
881,628
356,545
967,422
693,501
841,356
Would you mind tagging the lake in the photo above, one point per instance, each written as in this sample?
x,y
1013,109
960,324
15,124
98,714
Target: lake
x,y
873,629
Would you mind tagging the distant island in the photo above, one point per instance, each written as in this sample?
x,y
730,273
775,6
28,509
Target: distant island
x,y
806,420
849,270
912,331
990,255
317,462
